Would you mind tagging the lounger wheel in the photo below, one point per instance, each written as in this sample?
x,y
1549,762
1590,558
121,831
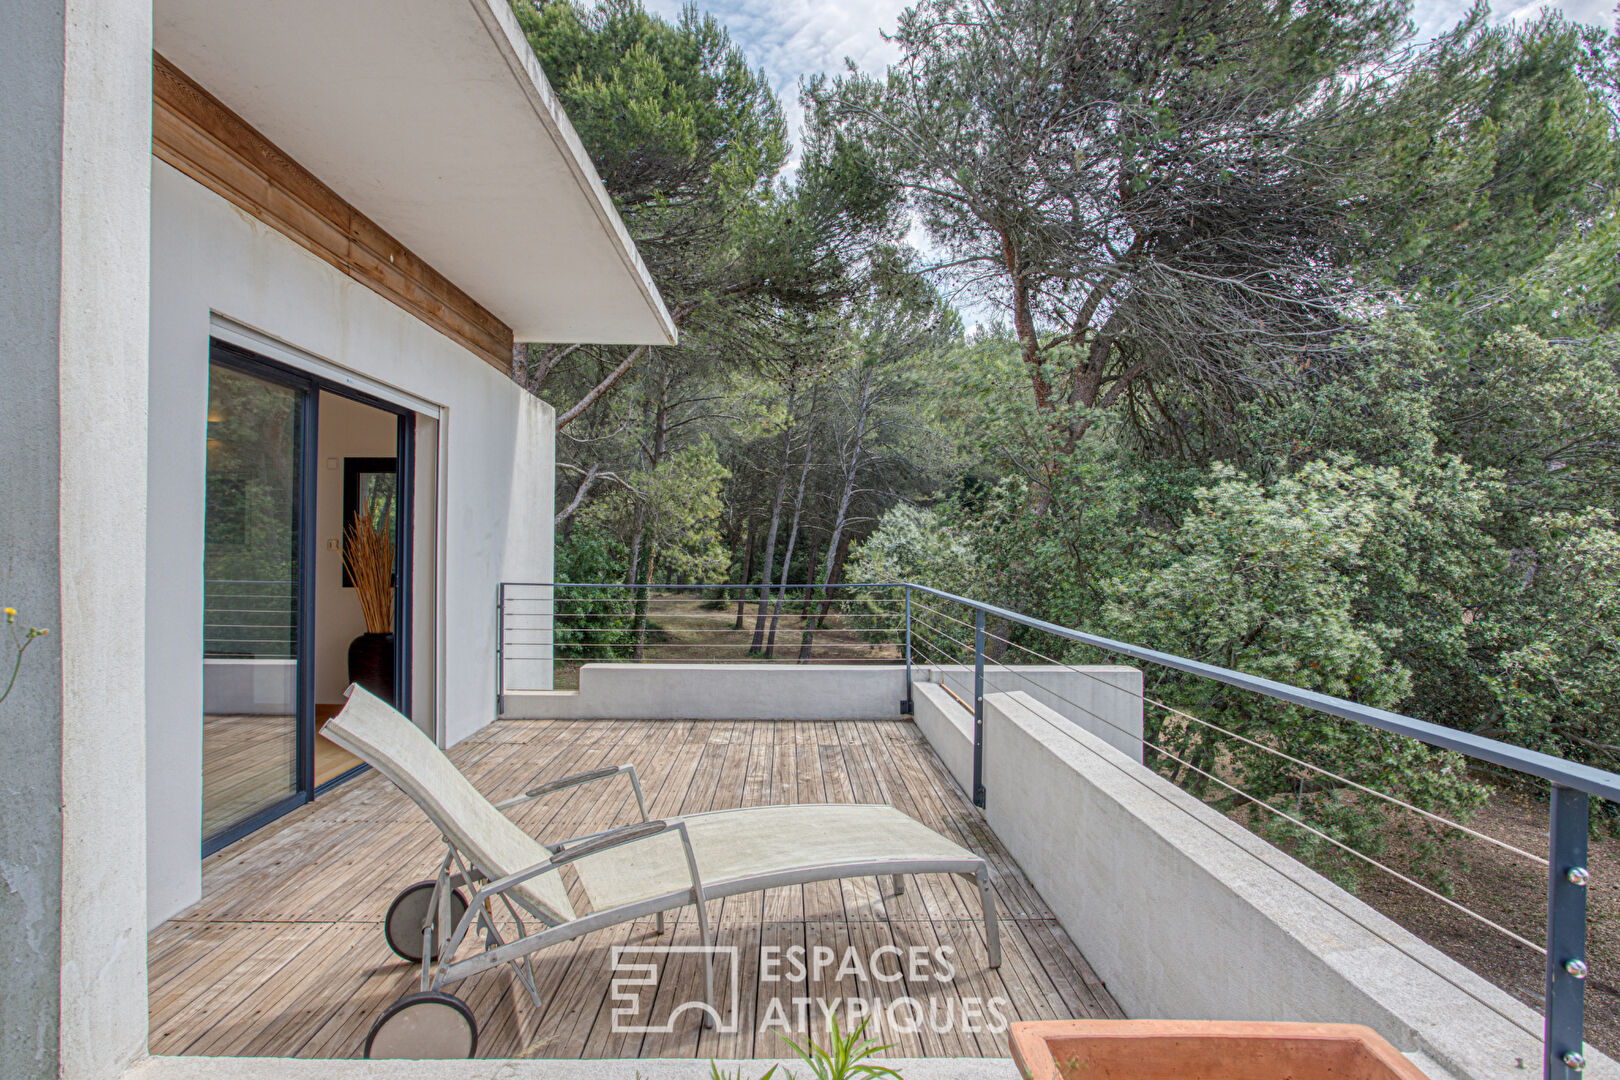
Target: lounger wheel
x,y
402,926
431,1024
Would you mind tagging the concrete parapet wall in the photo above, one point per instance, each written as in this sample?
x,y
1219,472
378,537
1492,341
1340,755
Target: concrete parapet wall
x,y
249,687
1186,914
948,727
1105,699
719,692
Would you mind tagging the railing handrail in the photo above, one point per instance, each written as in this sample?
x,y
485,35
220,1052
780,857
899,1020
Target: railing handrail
x,y
1556,770
659,585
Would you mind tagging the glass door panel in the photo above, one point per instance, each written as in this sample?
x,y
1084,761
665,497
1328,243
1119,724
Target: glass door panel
x,y
253,566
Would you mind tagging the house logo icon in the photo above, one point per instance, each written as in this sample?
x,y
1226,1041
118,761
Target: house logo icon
x,y
637,971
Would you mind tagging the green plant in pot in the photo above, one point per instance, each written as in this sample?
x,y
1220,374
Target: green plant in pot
x,y
368,554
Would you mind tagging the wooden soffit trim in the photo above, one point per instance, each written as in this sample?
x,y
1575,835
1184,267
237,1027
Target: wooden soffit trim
x,y
196,134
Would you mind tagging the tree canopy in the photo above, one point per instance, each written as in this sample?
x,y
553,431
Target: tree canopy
x,y
1296,352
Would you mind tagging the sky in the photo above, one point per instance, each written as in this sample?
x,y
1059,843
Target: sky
x,y
789,38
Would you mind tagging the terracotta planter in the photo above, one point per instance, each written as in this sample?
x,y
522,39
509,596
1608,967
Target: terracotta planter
x,y
1204,1050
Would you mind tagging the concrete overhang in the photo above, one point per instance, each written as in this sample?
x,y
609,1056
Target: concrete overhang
x,y
433,118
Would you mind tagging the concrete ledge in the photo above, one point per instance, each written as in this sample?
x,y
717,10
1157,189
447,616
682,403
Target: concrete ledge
x,y
719,692
948,727
1186,914
248,687
1104,699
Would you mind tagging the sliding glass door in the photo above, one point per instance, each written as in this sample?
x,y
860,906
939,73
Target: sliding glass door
x,y
256,723
285,625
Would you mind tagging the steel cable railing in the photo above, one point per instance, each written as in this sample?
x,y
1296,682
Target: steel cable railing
x,y
568,623
907,624
1249,797
1260,802
1189,717
248,618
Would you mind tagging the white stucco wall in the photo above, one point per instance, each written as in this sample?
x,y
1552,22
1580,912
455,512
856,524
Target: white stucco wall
x,y
493,457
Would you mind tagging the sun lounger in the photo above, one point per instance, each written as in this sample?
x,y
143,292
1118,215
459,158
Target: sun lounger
x,y
626,873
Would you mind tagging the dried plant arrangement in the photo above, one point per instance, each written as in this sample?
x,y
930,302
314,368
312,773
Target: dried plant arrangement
x,y
368,554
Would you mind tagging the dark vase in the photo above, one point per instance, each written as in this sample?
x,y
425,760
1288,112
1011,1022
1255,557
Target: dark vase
x,y
371,664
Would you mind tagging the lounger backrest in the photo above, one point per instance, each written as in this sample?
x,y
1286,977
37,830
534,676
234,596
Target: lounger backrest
x,y
387,741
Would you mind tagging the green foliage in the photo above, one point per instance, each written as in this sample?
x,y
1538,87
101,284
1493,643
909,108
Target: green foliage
x,y
592,624
914,543
1277,581
715,1073
844,1057
1497,153
675,509
1311,366
665,109
1547,416
1556,638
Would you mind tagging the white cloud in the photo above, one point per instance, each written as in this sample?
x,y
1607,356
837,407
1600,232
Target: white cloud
x,y
792,38
1433,16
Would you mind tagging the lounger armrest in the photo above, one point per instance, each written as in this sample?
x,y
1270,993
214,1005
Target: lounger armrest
x,y
625,834
613,838
576,780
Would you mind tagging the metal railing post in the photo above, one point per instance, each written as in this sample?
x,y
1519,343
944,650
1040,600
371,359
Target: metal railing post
x,y
907,706
978,708
500,649
1565,1045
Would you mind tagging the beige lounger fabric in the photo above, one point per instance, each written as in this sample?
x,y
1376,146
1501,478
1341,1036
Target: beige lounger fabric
x,y
373,731
736,845
733,847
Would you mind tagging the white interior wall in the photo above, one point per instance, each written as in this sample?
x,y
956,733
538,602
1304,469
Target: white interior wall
x,y
494,460
348,428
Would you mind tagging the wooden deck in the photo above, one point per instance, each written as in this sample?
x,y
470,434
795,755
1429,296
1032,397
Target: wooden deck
x,y
284,955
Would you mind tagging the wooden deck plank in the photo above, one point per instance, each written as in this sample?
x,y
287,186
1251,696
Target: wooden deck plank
x,y
284,954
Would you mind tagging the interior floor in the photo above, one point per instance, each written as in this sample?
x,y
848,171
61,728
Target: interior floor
x,y
331,760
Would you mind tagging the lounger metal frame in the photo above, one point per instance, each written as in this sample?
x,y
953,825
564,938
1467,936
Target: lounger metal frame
x,y
456,871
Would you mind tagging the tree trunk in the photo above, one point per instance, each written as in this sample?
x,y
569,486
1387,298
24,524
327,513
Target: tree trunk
x,y
805,602
769,566
836,553
749,540
642,596
565,518
654,457
835,542
793,532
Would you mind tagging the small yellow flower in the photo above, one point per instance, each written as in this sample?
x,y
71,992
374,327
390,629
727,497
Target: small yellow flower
x,y
11,614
